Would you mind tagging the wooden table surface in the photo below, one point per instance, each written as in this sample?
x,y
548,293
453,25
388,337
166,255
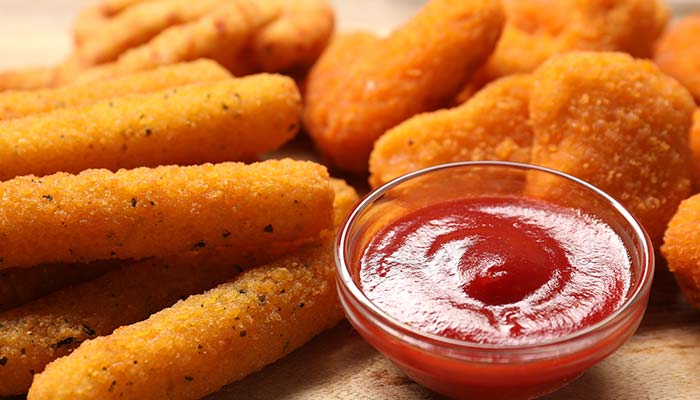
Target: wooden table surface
x,y
662,361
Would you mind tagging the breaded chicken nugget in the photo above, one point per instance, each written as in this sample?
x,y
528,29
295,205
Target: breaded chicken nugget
x,y
232,119
695,148
22,285
537,29
419,67
104,215
493,125
682,248
618,123
678,53
214,338
15,104
122,297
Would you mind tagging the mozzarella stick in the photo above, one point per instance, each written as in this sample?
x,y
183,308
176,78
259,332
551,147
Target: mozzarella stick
x,y
26,79
22,285
167,210
212,339
16,104
137,25
233,119
125,296
219,35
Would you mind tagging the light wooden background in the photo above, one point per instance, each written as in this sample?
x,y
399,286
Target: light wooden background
x,y
661,362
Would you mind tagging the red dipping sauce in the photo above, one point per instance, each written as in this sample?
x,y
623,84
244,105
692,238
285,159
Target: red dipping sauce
x,y
496,270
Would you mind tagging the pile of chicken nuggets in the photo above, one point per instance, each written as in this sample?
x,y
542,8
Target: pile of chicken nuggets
x,y
146,252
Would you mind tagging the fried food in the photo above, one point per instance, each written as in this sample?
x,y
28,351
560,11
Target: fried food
x,y
245,36
492,125
135,26
233,119
26,79
122,297
16,104
61,321
230,332
538,29
361,87
695,148
678,53
100,215
681,248
22,285
617,123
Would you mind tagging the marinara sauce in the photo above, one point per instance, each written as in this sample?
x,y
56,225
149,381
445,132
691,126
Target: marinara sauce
x,y
496,270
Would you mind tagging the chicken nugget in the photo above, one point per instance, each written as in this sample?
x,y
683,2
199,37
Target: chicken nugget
x,y
695,148
617,123
419,67
678,53
232,119
100,214
538,29
681,248
492,125
22,285
296,38
230,332
15,104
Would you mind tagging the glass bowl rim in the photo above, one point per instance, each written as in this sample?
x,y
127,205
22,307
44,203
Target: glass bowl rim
x,y
642,288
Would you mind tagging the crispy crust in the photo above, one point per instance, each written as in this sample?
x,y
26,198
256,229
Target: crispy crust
x,y
103,215
351,100
678,53
233,119
682,248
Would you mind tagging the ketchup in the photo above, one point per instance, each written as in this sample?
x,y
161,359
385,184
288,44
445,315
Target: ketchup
x,y
496,270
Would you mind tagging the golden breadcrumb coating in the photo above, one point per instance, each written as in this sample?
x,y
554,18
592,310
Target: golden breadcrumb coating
x,y
22,285
678,53
538,29
228,120
492,125
618,123
16,104
161,211
26,79
212,339
59,323
351,100
682,248
695,148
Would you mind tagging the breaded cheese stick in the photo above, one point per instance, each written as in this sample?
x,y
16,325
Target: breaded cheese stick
x,y
214,338
161,211
22,285
136,25
218,35
128,295
233,119
492,125
26,79
16,104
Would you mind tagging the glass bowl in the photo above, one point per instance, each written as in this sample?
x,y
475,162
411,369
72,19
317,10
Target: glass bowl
x,y
469,370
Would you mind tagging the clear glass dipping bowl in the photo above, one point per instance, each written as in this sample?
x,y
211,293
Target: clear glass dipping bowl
x,y
467,370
